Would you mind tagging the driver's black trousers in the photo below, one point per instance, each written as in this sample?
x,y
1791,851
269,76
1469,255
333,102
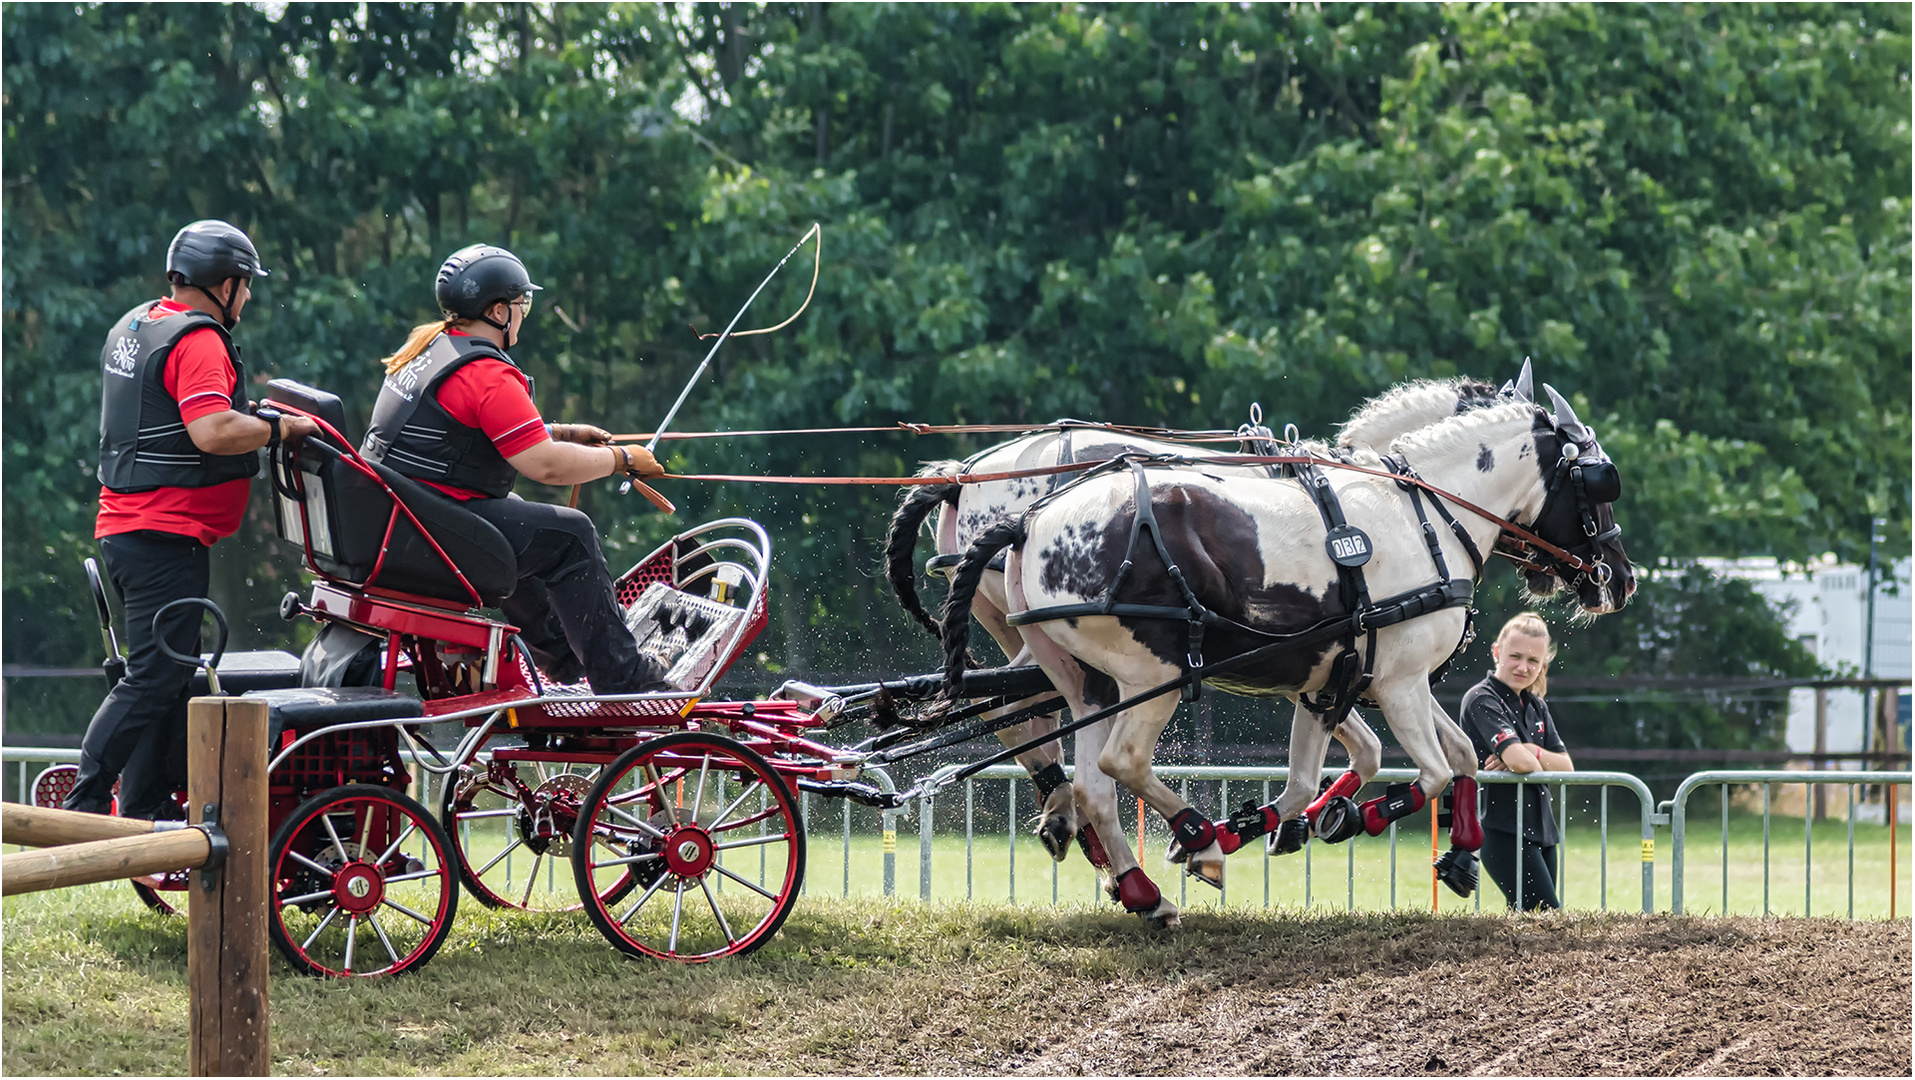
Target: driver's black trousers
x,y
138,736
564,605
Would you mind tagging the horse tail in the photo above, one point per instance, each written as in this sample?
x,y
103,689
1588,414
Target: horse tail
x,y
900,543
957,603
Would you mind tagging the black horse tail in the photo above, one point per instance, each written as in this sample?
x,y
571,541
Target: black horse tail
x,y
900,543
957,604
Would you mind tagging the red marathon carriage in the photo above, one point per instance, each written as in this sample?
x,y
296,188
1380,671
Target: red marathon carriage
x,y
676,817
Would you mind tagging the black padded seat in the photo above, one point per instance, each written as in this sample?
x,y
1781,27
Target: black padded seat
x,y
259,669
348,513
310,708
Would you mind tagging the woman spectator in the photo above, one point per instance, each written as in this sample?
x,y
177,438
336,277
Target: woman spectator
x,y
1513,732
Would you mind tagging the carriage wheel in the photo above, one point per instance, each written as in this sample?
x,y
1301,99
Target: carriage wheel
x,y
711,836
158,899
511,828
363,883
50,789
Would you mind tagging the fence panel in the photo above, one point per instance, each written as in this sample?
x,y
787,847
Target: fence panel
x,y
1678,809
987,875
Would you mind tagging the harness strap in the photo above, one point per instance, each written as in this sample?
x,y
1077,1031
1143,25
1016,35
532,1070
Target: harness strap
x,y
1065,454
1434,543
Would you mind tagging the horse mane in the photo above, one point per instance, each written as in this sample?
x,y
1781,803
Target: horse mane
x,y
1411,406
1464,428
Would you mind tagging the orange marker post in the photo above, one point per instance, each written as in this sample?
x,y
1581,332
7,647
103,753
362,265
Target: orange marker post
x,y
1433,855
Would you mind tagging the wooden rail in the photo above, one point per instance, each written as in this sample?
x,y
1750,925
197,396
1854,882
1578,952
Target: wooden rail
x,y
77,860
230,895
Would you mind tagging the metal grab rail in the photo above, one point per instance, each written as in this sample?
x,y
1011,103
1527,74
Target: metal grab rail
x,y
1677,809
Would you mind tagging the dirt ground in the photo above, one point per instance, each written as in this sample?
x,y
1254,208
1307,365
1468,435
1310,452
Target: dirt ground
x,y
1567,996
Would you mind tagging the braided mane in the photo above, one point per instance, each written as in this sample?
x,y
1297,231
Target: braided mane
x,y
1461,430
1411,406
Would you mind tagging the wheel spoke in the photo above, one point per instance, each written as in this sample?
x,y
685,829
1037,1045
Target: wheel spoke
x,y
365,831
720,819
678,913
698,795
352,939
404,910
496,859
411,827
628,860
309,864
773,897
730,938
637,823
383,939
532,878
306,946
305,897
756,841
420,876
468,815
338,844
640,902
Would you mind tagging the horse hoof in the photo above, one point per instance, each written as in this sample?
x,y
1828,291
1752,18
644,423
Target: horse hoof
x,y
1338,821
1457,869
1289,837
1055,834
1164,916
1209,872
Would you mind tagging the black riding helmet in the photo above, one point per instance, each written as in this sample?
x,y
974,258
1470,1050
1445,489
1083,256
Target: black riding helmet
x,y
206,254
474,278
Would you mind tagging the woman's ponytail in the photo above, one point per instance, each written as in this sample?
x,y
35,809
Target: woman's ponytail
x,y
416,342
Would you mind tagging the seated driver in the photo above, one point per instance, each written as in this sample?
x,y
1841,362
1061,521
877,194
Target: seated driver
x,y
456,413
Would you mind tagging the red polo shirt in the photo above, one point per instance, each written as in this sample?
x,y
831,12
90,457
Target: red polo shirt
x,y
199,375
496,398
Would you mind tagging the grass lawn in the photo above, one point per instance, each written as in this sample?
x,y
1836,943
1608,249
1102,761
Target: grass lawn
x,y
94,984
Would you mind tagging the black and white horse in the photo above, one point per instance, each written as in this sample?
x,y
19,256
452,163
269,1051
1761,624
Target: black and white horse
x,y
1253,552
967,510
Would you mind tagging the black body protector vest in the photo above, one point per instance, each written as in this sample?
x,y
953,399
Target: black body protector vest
x,y
413,435
143,440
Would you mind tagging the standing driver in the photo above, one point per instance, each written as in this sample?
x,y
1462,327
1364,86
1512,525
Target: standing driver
x,y
456,413
177,454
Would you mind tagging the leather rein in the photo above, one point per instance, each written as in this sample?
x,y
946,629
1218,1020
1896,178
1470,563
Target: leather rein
x,y
1509,528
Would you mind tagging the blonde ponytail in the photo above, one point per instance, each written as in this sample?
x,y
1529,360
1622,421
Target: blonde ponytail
x,y
416,342
1531,624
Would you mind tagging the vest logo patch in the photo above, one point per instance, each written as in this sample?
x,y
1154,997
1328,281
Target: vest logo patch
x,y
405,381
125,351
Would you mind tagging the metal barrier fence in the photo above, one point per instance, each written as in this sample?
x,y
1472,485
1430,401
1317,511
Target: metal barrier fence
x,y
1264,778
1679,826
1264,783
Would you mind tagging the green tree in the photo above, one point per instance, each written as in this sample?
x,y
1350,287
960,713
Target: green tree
x,y
1695,218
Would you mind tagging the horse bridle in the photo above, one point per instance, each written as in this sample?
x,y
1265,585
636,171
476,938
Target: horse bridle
x,y
1586,474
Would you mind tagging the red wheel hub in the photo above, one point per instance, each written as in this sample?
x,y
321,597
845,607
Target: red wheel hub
x,y
688,851
358,887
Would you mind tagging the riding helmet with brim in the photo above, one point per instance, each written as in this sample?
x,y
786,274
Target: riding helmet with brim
x,y
474,278
207,253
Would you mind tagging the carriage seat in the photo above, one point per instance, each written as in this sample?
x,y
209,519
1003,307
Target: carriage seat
x,y
241,672
318,487
304,709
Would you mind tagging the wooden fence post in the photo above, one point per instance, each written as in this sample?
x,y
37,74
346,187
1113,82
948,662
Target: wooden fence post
x,y
228,906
